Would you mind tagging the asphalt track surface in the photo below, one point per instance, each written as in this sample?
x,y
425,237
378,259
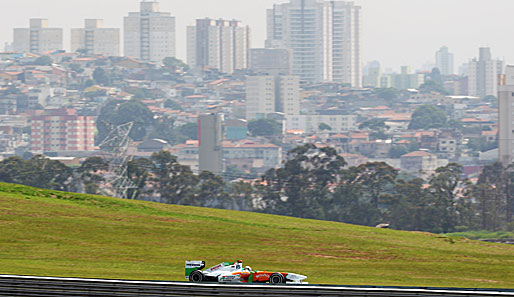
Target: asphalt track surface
x,y
12,285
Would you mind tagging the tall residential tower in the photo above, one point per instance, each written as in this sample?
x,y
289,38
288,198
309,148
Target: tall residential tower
x,y
94,39
149,34
38,38
483,74
324,37
506,117
220,44
210,137
266,94
444,61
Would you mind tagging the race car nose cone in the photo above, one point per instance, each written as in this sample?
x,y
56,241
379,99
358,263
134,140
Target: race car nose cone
x,y
295,277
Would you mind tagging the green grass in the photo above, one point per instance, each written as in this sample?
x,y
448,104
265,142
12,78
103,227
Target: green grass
x,y
60,234
483,235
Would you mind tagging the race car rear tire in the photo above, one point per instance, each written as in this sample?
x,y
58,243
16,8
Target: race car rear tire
x,y
196,276
277,278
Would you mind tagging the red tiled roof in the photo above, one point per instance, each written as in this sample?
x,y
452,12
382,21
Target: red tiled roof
x,y
418,154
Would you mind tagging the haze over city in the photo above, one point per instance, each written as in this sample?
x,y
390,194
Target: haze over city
x,y
395,32
152,139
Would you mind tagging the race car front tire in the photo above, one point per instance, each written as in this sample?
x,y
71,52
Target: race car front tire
x,y
277,278
196,276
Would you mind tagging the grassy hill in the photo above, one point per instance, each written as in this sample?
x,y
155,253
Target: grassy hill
x,y
60,234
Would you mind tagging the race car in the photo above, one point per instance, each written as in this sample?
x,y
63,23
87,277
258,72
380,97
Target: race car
x,y
234,272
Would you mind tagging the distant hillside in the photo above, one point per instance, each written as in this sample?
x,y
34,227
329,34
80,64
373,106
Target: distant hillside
x,y
62,234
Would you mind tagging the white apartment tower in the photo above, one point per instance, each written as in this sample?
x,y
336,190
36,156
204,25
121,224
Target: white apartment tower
x,y
94,39
149,35
267,94
506,117
444,61
38,38
324,37
483,74
220,44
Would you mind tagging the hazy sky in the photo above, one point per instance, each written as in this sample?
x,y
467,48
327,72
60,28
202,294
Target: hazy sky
x,y
395,32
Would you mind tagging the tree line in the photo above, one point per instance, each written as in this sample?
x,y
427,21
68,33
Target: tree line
x,y
313,183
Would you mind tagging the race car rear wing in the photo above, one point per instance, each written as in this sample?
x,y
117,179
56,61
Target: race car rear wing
x,y
192,266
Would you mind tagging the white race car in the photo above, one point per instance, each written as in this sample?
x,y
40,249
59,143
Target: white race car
x,y
230,272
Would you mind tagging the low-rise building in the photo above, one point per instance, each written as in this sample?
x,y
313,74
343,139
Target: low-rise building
x,y
419,163
267,154
313,123
246,155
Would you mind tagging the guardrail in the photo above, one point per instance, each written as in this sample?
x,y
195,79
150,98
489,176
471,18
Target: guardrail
x,y
12,285
506,241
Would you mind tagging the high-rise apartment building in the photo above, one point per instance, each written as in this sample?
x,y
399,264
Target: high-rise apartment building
x,y
506,117
272,61
406,80
220,44
483,74
149,35
38,38
210,137
94,39
324,37
372,75
268,94
444,61
62,130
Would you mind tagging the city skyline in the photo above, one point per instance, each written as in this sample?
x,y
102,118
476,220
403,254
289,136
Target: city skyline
x,y
394,33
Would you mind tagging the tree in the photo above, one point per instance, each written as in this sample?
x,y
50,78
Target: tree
x,y
492,195
165,129
189,130
211,192
242,196
427,117
172,105
119,112
301,187
43,61
447,187
139,171
52,174
174,64
389,94
397,151
347,204
432,86
375,179
409,208
324,127
37,172
14,170
378,135
143,93
264,127
480,144
374,124
175,183
89,176
76,67
89,83
435,76
101,77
